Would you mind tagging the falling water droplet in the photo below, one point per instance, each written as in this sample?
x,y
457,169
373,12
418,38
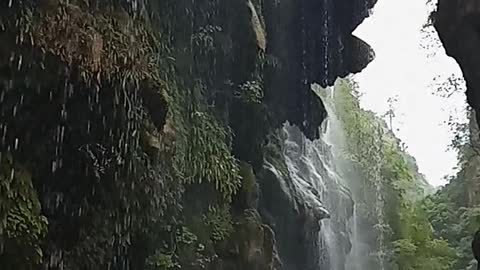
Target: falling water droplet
x,y
54,166
62,134
64,114
70,90
4,136
12,174
20,60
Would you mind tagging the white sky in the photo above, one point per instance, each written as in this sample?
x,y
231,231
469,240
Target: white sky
x,y
402,68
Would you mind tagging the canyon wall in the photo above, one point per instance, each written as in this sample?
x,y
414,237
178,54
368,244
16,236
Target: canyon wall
x,y
136,134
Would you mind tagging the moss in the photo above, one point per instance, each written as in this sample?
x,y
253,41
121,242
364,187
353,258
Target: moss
x,y
251,246
160,261
249,183
157,126
22,227
220,222
101,44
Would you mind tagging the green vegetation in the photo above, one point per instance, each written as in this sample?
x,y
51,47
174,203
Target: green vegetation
x,y
454,210
390,197
131,139
127,122
22,227
220,222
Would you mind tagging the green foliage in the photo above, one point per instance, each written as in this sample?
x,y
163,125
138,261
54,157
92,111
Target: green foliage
x,y
454,211
205,38
22,227
208,157
250,92
160,261
220,222
202,149
470,218
183,249
430,253
392,188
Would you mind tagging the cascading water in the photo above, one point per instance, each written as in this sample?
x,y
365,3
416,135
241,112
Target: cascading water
x,y
381,228
328,184
311,167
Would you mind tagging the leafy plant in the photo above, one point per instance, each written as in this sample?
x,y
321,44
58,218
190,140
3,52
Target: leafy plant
x,y
220,222
160,261
208,156
22,227
250,92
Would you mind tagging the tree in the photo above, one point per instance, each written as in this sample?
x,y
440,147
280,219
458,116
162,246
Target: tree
x,y
392,101
391,201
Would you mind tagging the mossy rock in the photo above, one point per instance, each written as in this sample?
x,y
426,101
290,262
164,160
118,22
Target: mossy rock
x,y
22,227
99,43
251,246
247,196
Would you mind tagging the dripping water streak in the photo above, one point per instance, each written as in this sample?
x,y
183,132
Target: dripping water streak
x,y
326,25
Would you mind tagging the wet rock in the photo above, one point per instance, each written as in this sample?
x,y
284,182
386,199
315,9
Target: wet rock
x,y
247,197
252,246
293,213
312,42
259,30
299,189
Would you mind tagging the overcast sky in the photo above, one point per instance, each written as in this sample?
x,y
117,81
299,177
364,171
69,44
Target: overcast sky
x,y
402,68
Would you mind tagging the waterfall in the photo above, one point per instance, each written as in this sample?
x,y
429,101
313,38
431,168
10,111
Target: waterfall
x,y
327,184
311,167
354,258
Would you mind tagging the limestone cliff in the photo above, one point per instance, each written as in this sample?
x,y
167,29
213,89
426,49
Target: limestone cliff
x,y
132,132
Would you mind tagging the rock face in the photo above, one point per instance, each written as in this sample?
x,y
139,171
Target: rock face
x,y
252,246
458,25
299,186
149,130
312,42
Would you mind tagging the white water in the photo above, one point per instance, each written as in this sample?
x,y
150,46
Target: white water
x,y
309,165
311,168
317,174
